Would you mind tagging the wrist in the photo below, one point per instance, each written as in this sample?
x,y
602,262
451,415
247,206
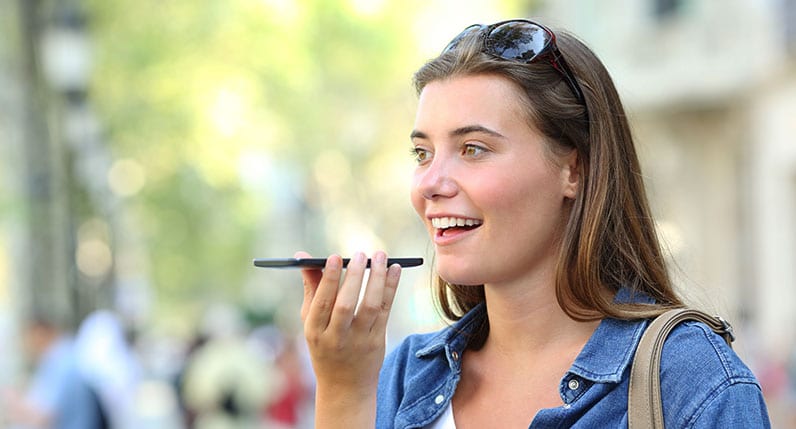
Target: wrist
x,y
340,407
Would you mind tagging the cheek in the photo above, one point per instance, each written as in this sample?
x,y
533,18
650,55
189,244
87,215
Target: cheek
x,y
524,198
503,193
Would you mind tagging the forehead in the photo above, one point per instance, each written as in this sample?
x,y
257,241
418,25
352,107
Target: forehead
x,y
489,100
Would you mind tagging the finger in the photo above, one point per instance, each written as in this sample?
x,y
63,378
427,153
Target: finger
x,y
370,306
311,277
325,294
390,287
347,297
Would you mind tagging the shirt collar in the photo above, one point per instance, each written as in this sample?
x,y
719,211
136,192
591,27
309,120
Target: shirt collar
x,y
603,359
455,336
610,349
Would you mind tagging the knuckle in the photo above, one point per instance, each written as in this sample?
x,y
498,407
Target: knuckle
x,y
324,305
344,307
313,338
325,343
368,309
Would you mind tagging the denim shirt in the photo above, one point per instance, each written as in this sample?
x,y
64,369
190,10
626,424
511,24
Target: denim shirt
x,y
704,384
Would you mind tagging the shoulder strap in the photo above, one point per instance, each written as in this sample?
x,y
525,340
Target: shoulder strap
x,y
644,408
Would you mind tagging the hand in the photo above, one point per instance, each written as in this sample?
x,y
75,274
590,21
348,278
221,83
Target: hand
x,y
347,342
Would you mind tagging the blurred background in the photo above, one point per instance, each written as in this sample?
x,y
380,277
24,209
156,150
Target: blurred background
x,y
150,150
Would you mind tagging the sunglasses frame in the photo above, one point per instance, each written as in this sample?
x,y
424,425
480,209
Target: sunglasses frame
x,y
549,51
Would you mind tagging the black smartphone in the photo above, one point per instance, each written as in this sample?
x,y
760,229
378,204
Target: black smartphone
x,y
321,262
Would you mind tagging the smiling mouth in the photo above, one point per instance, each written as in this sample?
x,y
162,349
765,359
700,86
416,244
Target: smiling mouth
x,y
448,225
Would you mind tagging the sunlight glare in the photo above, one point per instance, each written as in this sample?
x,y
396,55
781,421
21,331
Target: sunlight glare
x,y
126,177
367,7
286,10
227,112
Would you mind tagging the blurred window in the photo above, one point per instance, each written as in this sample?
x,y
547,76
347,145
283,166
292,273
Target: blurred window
x,y
789,24
666,9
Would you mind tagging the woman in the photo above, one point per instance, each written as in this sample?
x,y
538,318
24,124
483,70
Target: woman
x,y
547,260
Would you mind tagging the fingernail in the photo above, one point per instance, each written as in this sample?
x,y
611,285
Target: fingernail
x,y
333,262
359,257
379,257
394,270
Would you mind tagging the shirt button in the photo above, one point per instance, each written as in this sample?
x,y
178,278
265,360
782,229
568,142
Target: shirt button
x,y
438,400
573,384
455,356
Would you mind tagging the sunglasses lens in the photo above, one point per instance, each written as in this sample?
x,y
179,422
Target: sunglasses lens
x,y
521,41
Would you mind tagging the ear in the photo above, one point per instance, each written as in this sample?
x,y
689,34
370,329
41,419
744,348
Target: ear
x,y
570,174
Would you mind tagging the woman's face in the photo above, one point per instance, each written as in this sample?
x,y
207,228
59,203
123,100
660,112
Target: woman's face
x,y
492,197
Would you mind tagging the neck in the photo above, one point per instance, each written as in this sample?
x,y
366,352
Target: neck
x,y
525,317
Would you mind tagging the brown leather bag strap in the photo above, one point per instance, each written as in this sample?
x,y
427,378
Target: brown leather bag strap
x,y
644,409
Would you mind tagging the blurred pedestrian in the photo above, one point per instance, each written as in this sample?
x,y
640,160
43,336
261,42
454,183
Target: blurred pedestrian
x,y
110,365
188,412
58,396
226,383
291,400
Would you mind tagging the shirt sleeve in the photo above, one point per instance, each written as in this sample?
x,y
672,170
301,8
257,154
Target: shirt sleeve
x,y
737,405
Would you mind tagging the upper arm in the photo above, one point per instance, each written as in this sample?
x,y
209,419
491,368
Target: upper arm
x,y
737,405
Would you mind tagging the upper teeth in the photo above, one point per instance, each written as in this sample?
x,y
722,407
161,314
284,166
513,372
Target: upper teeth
x,y
448,222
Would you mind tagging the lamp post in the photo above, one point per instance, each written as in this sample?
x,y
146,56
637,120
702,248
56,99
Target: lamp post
x,y
66,64
63,58
66,55
44,264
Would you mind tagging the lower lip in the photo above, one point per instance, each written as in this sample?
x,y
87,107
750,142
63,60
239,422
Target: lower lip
x,y
450,237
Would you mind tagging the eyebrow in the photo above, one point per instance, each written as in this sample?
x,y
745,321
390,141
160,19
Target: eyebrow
x,y
461,131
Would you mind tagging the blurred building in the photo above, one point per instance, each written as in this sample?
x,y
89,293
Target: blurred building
x,y
711,91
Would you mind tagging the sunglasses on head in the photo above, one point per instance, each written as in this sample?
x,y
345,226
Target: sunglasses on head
x,y
522,41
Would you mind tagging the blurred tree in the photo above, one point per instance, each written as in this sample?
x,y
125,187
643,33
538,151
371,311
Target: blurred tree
x,y
208,99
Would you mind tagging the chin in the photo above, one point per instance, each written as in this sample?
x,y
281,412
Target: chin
x,y
461,276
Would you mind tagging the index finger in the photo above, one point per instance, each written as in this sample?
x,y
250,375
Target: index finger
x,y
325,294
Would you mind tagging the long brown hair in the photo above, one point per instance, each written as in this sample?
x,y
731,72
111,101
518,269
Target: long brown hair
x,y
609,241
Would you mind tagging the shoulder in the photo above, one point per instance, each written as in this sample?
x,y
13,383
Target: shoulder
x,y
693,345
703,378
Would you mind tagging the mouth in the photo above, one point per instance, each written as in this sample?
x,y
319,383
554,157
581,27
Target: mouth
x,y
446,226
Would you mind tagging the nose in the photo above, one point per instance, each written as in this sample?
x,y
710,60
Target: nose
x,y
436,180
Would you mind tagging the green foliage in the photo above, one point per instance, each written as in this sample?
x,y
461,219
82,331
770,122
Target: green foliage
x,y
187,91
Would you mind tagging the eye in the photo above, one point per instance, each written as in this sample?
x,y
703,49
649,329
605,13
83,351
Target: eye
x,y
420,155
473,151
